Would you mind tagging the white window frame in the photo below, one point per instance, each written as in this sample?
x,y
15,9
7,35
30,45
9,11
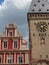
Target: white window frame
x,y
8,57
1,59
3,44
9,32
22,59
13,44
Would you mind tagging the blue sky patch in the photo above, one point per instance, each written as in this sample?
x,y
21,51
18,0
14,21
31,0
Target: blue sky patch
x,y
1,1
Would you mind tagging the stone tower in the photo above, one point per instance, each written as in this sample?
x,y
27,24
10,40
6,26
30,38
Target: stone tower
x,y
38,22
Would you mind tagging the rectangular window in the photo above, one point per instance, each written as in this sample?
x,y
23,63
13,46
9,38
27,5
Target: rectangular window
x,y
10,33
15,44
9,59
5,44
20,59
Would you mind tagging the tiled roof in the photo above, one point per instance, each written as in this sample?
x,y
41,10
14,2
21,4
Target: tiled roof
x,y
39,6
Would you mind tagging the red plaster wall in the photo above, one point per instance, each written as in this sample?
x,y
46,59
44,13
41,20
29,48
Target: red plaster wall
x,y
13,57
2,57
16,58
10,44
18,43
23,56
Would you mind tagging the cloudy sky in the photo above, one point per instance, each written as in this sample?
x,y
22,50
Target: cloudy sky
x,y
15,11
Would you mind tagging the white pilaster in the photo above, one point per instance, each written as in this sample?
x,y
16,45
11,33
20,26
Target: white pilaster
x,y
14,58
4,58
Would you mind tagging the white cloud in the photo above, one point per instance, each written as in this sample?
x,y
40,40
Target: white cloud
x,y
17,3
15,11
21,3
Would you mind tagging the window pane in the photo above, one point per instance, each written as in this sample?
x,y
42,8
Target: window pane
x,y
20,59
15,44
9,61
10,33
5,44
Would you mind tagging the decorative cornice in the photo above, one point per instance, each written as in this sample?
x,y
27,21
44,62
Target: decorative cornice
x,y
14,64
10,37
33,16
7,51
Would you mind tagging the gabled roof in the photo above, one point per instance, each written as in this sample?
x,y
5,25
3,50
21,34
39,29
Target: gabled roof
x,y
39,6
11,26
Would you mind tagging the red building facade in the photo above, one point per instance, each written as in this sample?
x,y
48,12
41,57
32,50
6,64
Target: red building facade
x,y
13,48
